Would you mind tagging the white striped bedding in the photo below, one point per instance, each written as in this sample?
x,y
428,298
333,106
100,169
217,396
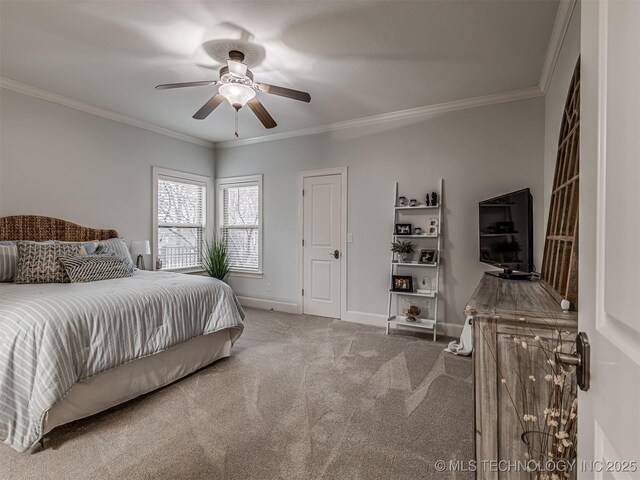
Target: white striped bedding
x,y
53,335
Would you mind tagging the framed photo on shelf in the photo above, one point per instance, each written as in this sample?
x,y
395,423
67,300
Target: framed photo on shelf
x,y
428,256
402,283
432,231
403,229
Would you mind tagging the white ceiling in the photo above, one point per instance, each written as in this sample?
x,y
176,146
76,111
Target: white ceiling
x,y
356,58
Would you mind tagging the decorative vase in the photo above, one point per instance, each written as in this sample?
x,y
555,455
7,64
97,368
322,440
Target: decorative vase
x,y
402,258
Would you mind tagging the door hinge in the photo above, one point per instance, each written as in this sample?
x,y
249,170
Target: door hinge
x,y
303,242
303,192
303,292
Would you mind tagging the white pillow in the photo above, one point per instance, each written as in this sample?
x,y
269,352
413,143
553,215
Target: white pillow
x,y
117,246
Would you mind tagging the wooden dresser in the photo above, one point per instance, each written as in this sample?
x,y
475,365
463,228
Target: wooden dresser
x,y
503,309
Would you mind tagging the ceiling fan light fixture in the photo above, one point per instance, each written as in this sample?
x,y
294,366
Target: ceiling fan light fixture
x,y
236,68
237,94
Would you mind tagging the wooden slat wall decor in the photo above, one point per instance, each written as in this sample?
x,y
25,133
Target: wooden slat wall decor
x,y
560,262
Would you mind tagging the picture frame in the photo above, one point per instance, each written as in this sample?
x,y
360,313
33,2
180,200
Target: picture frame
x,y
432,231
403,229
428,256
402,283
433,222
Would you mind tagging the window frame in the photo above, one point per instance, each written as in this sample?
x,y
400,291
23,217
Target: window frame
x,y
221,184
185,177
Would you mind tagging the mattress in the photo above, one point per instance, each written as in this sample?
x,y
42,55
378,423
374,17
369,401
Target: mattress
x,y
53,336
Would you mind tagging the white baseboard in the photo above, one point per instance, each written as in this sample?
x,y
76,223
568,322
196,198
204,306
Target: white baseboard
x,y
450,329
265,304
376,320
371,319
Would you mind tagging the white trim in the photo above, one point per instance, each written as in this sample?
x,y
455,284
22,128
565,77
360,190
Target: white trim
x,y
376,320
419,112
236,181
343,172
243,274
372,319
563,17
25,89
157,172
425,111
264,304
362,318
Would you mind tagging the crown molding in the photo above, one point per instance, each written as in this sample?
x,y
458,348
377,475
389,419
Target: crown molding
x,y
412,113
25,89
563,17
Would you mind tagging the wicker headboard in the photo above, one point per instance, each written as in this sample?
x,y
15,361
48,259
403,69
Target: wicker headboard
x,y
39,229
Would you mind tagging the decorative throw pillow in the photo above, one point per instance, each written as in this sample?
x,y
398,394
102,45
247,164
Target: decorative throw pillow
x,y
83,268
89,247
38,262
8,261
117,246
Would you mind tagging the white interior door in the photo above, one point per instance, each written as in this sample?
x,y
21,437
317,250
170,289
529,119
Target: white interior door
x,y
609,413
322,207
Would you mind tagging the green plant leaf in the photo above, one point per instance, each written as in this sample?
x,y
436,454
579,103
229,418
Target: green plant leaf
x,y
403,247
214,258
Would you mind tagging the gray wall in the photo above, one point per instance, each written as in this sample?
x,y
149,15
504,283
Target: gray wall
x,y
479,152
555,100
60,162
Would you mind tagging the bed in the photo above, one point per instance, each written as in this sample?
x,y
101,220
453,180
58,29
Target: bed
x,y
70,350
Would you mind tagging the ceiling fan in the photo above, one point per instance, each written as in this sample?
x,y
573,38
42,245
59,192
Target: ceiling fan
x,y
236,85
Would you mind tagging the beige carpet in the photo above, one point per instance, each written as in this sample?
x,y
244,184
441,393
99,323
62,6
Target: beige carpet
x,y
301,398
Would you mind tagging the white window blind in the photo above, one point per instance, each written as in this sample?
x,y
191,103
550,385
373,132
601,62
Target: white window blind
x,y
240,224
181,222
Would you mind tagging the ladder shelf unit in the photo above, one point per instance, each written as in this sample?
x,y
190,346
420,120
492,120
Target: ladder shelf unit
x,y
423,212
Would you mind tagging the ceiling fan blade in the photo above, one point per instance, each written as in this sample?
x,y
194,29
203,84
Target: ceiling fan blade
x,y
261,112
209,107
284,92
186,84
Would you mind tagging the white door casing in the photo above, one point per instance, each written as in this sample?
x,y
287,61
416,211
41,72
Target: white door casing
x,y
609,284
322,234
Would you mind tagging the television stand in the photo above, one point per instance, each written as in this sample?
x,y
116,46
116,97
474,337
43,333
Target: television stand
x,y
510,275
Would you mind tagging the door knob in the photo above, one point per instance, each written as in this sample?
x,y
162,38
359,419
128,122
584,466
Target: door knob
x,y
335,254
580,360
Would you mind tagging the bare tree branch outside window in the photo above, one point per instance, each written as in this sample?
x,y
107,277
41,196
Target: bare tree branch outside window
x,y
240,225
181,221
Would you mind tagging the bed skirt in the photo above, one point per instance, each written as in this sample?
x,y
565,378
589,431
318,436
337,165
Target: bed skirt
x,y
126,382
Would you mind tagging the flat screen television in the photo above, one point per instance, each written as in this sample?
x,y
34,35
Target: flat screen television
x,y
506,234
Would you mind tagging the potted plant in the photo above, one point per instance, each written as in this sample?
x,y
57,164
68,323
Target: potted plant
x,y
214,259
402,249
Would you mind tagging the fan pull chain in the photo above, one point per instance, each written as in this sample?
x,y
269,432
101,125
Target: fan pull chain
x,y
236,122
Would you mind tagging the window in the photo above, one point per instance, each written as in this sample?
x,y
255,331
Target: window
x,y
240,222
180,215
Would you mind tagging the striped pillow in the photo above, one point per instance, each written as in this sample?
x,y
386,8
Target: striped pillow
x,y
92,268
117,246
8,262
